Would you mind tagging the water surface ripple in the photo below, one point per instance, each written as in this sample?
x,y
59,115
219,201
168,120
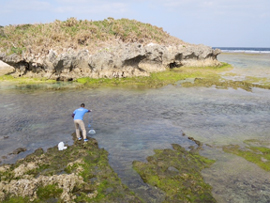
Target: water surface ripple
x,y
131,123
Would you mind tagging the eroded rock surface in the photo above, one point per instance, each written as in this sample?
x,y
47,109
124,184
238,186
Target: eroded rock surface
x,y
122,60
81,173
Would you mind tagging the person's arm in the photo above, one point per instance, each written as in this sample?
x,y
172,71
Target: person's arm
x,y
73,114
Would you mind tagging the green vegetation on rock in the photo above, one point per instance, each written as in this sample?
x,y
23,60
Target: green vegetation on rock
x,y
259,81
49,191
203,77
155,80
25,80
73,33
177,172
81,173
158,79
17,200
255,151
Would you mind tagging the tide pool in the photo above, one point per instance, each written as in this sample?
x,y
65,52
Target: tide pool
x,y
129,124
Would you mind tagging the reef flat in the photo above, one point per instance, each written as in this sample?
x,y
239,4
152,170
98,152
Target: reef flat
x,y
81,173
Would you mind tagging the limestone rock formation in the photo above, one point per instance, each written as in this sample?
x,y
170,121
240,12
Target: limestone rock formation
x,y
80,173
122,60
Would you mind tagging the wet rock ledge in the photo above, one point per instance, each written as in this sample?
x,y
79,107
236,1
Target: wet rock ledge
x,y
81,173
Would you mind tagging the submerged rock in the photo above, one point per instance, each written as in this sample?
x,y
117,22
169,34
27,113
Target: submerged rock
x,y
255,151
18,151
177,172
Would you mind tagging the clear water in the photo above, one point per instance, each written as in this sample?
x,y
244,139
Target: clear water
x,y
129,124
248,64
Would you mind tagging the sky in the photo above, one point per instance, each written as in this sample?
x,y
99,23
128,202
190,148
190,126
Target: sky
x,y
215,23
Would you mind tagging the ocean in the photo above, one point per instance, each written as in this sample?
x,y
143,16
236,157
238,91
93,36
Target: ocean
x,y
244,49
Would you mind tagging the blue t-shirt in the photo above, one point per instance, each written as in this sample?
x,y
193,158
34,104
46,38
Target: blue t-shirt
x,y
79,113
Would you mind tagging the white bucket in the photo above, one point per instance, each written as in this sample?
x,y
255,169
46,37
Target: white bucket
x,y
61,146
92,132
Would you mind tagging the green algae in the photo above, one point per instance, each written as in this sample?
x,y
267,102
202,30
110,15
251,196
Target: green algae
x,y
16,200
177,172
156,79
49,191
221,83
85,160
261,81
254,151
26,80
203,77
6,175
218,83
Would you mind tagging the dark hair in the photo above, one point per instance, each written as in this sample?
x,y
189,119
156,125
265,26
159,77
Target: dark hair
x,y
82,105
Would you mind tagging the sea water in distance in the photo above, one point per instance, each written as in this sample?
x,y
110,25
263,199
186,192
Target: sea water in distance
x,y
247,62
244,49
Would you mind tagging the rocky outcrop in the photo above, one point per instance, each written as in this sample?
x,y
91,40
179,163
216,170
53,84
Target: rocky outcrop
x,y
123,60
80,173
27,187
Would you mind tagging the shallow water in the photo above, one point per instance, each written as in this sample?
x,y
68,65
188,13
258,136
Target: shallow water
x,y
248,64
131,123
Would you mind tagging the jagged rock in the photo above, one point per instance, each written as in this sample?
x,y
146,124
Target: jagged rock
x,y
27,187
77,174
123,60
